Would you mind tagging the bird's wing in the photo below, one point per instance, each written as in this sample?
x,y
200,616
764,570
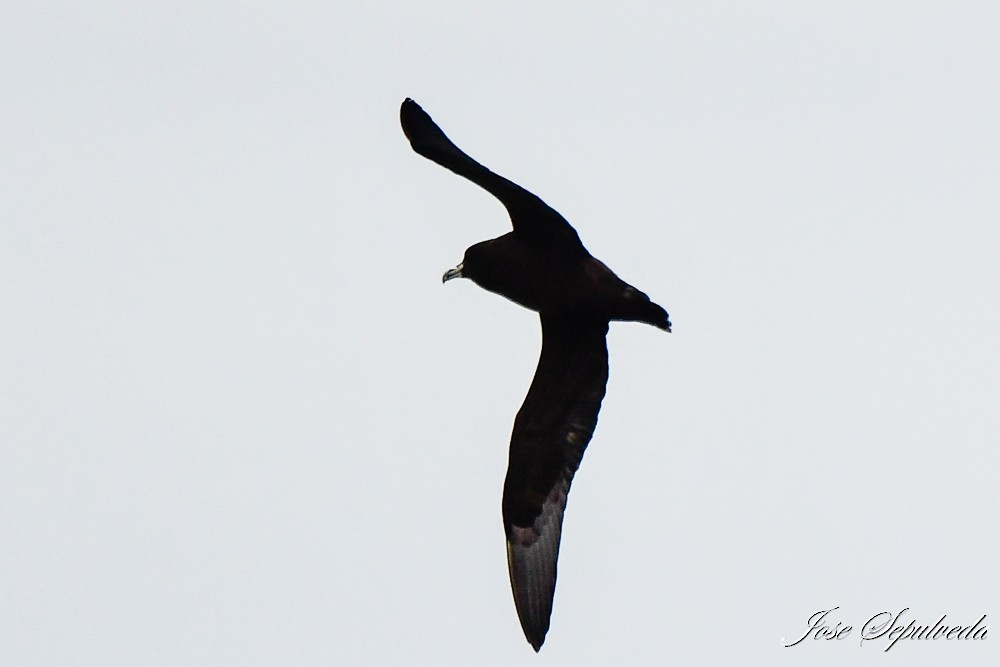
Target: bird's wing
x,y
551,431
528,213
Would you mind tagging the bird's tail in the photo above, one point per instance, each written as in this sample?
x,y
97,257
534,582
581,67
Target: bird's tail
x,y
637,307
655,314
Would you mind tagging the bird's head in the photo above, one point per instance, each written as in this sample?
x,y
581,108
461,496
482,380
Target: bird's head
x,y
470,264
454,273
496,266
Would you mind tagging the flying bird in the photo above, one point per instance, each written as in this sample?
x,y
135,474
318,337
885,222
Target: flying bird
x,y
543,266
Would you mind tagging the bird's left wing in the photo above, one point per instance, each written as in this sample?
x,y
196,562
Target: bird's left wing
x,y
551,432
529,215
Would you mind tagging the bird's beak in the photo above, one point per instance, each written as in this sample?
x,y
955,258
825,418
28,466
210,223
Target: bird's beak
x,y
452,273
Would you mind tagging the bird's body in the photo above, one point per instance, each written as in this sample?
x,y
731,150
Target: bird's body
x,y
543,266
557,279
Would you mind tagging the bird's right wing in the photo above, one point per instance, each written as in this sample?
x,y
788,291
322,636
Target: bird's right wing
x,y
528,213
551,432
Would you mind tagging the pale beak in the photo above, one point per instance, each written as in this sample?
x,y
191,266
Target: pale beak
x,y
452,273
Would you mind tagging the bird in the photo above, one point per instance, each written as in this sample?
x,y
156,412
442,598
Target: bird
x,y
543,266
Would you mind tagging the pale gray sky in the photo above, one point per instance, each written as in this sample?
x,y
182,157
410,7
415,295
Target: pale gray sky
x,y
242,422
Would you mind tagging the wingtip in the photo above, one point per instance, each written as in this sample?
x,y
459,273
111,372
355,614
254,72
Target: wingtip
x,y
532,569
407,111
417,124
535,638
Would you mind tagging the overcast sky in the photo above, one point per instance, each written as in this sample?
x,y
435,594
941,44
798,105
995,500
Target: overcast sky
x,y
243,423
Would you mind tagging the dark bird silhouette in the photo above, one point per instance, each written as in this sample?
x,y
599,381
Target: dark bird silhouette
x,y
541,265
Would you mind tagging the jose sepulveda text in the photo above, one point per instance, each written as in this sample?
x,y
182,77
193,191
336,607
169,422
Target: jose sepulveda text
x,y
889,627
